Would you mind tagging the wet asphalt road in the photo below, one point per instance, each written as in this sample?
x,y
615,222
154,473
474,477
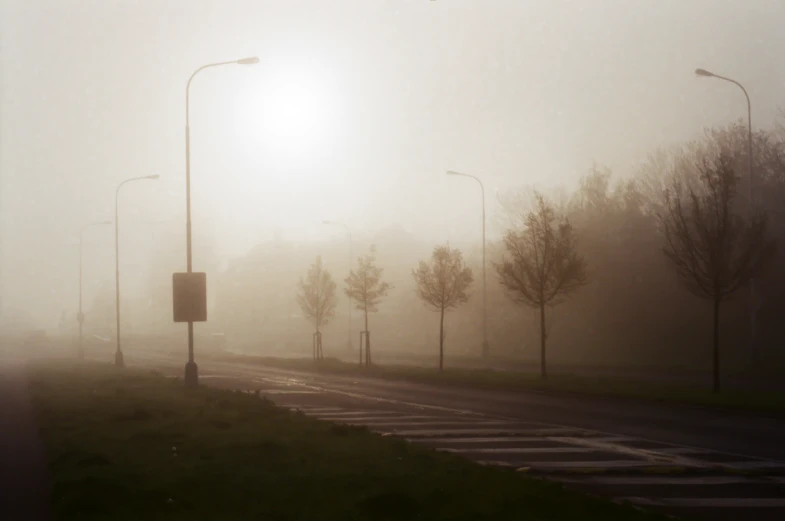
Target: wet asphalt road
x,y
694,462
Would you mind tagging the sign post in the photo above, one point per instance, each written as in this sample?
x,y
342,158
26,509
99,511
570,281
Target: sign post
x,y
189,301
189,297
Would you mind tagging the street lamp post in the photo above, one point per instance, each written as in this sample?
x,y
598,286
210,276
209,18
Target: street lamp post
x,y
191,370
485,347
80,315
753,307
118,355
351,259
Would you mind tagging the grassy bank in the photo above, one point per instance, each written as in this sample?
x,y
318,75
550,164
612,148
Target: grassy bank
x,y
126,445
770,402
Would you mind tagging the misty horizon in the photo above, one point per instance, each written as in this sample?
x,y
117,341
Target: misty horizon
x,y
353,114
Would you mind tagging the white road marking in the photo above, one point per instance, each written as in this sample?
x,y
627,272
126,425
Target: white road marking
x,y
645,454
347,413
521,450
469,441
430,433
705,502
681,450
287,391
660,480
430,423
371,420
504,439
495,463
583,464
753,465
310,410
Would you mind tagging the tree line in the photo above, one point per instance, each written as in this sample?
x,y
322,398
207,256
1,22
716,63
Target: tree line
x,y
685,206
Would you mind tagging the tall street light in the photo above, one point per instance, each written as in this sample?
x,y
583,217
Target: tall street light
x,y
191,370
753,308
485,348
350,267
118,355
80,315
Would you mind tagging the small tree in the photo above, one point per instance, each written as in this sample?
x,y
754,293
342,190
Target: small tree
x,y
543,265
713,250
442,284
366,288
316,297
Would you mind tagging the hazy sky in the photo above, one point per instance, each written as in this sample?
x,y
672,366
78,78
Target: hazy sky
x,y
354,113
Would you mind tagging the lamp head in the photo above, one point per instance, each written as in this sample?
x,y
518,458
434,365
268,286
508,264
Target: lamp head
x,y
703,72
154,176
105,222
248,61
326,222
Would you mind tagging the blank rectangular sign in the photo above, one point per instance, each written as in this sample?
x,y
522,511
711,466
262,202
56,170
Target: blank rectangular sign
x,y
189,296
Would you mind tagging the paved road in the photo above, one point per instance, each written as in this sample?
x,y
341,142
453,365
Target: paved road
x,y
696,462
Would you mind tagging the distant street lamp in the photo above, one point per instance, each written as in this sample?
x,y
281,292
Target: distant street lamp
x,y
351,259
753,307
118,356
80,315
191,370
485,347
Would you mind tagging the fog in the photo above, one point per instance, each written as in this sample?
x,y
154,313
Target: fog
x,y
354,113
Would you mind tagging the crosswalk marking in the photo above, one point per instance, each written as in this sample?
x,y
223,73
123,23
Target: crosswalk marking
x,y
704,502
505,439
660,480
496,463
369,420
753,465
310,410
682,450
432,433
516,443
521,450
584,464
355,414
359,412
470,441
290,391
536,447
649,455
426,423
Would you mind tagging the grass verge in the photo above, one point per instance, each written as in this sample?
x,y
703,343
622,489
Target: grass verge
x,y
771,402
126,445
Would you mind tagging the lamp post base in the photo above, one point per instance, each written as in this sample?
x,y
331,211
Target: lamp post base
x,y
80,353
191,375
486,350
118,359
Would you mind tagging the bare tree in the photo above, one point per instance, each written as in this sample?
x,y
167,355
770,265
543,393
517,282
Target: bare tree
x,y
713,250
543,265
442,284
316,297
366,288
